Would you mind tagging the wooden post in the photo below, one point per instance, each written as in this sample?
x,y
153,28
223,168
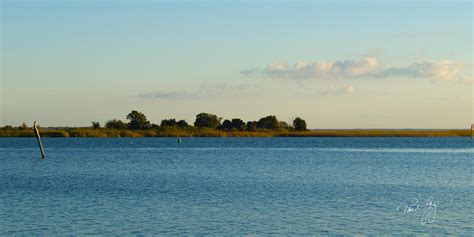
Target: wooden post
x,y
472,131
38,137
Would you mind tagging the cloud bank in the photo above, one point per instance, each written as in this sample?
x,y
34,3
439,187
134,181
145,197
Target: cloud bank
x,y
205,90
334,90
163,94
364,67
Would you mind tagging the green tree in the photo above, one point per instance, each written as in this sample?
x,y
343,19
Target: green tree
x,y
23,126
226,125
8,127
95,125
285,125
234,124
270,122
207,120
299,124
251,126
138,120
115,124
168,122
238,124
182,123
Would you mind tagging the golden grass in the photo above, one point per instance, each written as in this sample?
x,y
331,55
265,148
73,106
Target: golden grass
x,y
378,133
205,132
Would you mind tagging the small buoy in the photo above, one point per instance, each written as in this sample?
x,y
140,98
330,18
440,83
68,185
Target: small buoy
x,y
179,140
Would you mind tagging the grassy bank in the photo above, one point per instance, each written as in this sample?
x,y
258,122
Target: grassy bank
x,y
199,132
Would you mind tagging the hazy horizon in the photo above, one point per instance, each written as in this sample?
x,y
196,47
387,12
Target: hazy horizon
x,y
336,64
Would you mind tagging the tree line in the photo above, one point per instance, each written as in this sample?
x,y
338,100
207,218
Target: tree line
x,y
138,121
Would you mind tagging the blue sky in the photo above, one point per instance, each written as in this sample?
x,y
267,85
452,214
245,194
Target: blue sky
x,y
337,64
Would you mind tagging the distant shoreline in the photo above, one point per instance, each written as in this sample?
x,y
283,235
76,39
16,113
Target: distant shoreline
x,y
211,125
106,133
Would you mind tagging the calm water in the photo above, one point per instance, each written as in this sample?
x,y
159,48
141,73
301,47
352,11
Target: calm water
x,y
236,186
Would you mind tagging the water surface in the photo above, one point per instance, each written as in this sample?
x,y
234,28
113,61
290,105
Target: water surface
x,y
235,186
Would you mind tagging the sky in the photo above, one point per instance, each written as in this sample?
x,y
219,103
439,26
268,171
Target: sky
x,y
336,64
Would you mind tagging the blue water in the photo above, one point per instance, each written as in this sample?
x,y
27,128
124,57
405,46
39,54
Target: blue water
x,y
236,186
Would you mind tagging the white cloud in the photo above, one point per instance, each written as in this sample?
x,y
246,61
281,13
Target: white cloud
x,y
356,67
322,69
205,90
334,90
366,67
444,70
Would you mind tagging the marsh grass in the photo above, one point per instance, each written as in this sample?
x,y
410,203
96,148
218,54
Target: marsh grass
x,y
378,133
208,132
